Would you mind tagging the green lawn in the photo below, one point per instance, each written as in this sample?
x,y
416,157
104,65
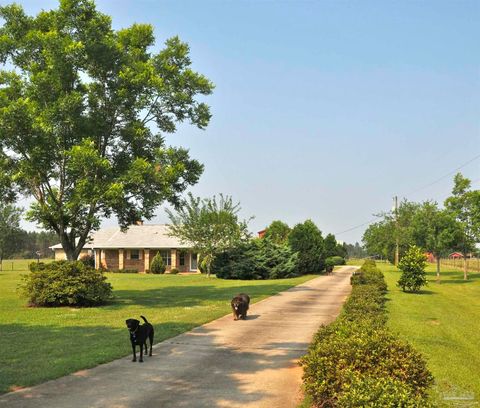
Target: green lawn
x,y
38,344
443,323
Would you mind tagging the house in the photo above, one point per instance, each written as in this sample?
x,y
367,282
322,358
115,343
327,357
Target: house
x,y
262,233
135,249
455,255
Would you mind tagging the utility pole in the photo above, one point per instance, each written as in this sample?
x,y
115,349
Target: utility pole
x,y
395,199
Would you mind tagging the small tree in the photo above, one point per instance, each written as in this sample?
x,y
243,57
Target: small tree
x,y
209,225
278,232
157,265
412,266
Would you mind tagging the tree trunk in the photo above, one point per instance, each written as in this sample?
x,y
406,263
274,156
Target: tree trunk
x,y
208,269
465,272
438,268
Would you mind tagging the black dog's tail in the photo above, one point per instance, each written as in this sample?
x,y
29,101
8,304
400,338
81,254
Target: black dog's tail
x,y
143,317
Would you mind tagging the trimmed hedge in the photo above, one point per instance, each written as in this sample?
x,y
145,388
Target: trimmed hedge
x,y
65,283
334,261
357,362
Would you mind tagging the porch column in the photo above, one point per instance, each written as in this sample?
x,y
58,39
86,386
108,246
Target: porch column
x,y
173,254
97,258
146,257
120,259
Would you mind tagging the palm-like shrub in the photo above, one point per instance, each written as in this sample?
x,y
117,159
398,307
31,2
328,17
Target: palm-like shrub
x,y
412,266
157,266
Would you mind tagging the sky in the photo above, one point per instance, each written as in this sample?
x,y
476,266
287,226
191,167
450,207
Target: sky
x,y
324,110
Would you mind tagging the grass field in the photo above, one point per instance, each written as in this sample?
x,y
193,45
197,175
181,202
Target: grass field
x,y
38,344
443,323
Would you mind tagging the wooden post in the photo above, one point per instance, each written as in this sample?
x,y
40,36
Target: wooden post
x,y
146,258
98,258
173,255
120,259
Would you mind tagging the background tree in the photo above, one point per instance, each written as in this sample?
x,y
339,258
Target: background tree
x,y
9,227
436,231
307,240
330,245
355,250
209,225
380,238
278,232
75,111
464,205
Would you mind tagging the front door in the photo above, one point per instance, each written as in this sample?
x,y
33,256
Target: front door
x,y
193,262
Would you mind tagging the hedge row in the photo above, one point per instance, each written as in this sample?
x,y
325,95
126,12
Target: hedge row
x,y
357,362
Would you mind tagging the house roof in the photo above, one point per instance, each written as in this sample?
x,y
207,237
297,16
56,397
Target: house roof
x,y
136,236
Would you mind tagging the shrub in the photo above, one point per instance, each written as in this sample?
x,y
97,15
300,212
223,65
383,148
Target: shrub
x,y
157,266
174,271
412,266
124,271
364,391
65,283
258,259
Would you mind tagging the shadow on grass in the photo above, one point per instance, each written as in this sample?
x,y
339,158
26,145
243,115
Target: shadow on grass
x,y
189,296
453,277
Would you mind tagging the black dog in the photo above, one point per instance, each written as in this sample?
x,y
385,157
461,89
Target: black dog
x,y
240,305
139,333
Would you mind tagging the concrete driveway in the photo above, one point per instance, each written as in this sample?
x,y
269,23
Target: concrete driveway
x,y
225,363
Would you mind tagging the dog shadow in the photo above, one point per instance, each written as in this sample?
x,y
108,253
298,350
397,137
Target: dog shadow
x,y
252,317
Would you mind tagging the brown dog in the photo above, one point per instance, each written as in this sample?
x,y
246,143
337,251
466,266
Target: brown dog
x,y
240,304
139,333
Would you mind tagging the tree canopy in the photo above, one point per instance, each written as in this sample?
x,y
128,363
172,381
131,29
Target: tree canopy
x,y
82,113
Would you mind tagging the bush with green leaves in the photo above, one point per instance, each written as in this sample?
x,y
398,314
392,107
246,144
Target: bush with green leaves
x,y
157,266
174,271
412,265
65,283
357,362
257,259
334,261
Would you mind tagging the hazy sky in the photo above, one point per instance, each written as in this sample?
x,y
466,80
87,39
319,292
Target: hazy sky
x,y
325,109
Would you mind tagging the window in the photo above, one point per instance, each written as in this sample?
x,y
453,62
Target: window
x,y
181,258
134,254
167,258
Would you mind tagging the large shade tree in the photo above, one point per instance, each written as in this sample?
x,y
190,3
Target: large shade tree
x,y
78,102
209,225
436,231
464,205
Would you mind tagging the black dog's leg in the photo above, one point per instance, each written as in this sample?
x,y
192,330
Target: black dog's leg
x,y
150,338
141,354
134,352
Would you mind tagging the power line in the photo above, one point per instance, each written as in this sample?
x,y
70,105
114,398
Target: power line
x,y
354,228
417,190
445,176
